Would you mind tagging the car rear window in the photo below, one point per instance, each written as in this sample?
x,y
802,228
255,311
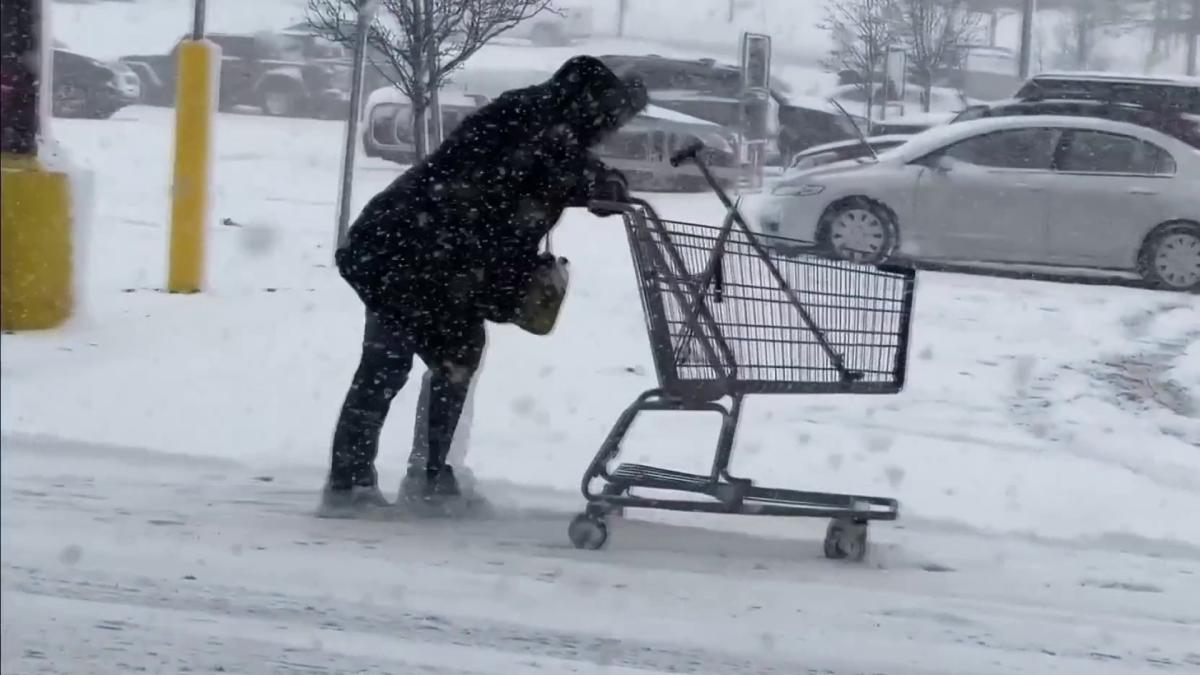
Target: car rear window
x,y
1102,152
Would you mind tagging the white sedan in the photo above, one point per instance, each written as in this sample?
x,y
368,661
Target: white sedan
x,y
1046,191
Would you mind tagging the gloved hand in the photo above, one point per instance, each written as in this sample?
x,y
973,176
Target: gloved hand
x,y
612,187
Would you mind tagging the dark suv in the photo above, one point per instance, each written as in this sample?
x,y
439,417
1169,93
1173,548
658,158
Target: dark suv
x,y
1179,95
284,73
1167,105
1184,127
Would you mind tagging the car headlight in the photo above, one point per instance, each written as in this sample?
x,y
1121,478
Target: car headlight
x,y
797,190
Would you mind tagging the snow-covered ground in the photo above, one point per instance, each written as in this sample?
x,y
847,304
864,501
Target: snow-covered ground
x,y
162,456
125,560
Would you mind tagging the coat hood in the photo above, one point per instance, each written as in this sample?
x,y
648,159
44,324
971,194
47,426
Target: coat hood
x,y
593,100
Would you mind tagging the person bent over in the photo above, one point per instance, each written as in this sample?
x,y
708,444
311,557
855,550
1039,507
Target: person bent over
x,y
453,243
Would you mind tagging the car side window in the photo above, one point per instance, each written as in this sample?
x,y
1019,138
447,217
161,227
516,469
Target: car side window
x,y
1030,148
1102,152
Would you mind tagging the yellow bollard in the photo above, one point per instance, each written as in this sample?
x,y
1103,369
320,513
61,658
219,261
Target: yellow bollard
x,y
36,257
197,76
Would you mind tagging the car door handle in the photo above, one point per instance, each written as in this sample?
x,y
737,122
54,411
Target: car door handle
x,y
1030,187
1143,191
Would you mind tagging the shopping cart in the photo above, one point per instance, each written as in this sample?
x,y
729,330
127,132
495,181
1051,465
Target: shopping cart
x,y
728,316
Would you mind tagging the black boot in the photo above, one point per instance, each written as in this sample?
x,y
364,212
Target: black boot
x,y
428,484
357,501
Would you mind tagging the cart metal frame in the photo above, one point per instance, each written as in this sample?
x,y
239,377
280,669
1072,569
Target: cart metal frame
x,y
666,284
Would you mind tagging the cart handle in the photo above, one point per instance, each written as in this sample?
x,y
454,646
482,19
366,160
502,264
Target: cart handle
x,y
634,204
688,152
629,207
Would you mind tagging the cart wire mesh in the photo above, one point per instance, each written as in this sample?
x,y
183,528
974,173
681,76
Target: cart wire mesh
x,y
728,314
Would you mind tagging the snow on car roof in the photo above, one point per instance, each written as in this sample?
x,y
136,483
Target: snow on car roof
x,y
690,95
930,118
660,113
1055,100
394,95
1118,77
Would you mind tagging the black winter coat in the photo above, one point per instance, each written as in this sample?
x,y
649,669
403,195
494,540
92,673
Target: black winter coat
x,y
454,240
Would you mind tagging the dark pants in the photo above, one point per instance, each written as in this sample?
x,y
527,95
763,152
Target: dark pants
x,y
387,359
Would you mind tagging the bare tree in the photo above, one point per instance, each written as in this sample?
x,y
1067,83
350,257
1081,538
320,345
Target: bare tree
x,y
1172,21
1088,20
417,44
937,33
862,31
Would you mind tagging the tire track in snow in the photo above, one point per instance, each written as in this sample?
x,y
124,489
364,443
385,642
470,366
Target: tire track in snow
x,y
1134,381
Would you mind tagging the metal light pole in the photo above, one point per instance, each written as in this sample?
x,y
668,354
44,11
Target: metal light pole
x,y
1192,34
435,104
199,11
1028,9
366,14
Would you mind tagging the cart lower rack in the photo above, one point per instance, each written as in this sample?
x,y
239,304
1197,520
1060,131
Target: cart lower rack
x,y
729,316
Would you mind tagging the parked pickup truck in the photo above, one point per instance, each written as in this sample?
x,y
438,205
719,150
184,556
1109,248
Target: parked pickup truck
x,y
285,74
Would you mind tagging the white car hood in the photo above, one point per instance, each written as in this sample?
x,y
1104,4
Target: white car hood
x,y
831,169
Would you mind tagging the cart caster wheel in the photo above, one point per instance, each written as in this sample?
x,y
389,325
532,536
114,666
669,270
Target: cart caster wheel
x,y
588,532
846,540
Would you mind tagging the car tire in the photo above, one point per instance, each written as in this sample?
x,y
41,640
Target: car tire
x,y
1170,257
858,230
281,99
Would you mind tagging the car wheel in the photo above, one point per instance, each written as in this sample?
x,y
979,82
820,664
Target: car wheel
x,y
281,100
858,230
69,100
1170,258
